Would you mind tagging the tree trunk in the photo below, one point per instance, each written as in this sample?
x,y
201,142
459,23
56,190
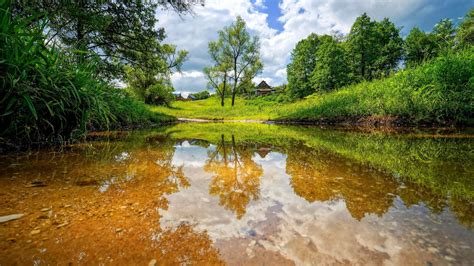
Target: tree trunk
x,y
233,98
222,99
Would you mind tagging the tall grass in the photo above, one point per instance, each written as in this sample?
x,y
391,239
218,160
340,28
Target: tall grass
x,y
46,96
440,91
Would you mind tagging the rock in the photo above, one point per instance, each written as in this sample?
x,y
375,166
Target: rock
x,y
35,232
152,262
43,216
118,230
46,209
87,182
36,183
62,225
11,217
11,239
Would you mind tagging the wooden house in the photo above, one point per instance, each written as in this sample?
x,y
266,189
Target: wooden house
x,y
263,89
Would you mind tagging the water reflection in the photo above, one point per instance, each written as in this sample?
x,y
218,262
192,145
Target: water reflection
x,y
241,194
317,175
236,177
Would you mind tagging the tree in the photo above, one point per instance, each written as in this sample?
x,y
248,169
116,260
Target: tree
x,y
362,46
465,32
218,74
148,86
390,47
419,46
242,52
331,70
117,32
236,59
302,64
444,33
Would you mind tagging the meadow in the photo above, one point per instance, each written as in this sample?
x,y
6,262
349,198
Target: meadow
x,y
440,91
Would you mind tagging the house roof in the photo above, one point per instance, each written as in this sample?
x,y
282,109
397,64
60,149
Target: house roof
x,y
263,86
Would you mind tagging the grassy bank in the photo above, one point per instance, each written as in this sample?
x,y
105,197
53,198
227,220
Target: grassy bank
x,y
439,92
47,96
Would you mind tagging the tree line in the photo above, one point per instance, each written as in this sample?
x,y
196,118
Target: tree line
x,y
371,50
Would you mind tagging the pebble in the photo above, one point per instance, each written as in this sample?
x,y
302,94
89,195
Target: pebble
x,y
448,258
62,225
118,230
433,250
46,209
35,232
152,262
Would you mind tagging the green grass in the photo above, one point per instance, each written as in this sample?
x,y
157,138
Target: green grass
x,y
48,96
440,91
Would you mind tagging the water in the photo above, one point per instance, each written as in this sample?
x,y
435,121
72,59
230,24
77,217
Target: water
x,y
243,194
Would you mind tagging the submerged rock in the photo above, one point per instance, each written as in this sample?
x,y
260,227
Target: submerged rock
x,y
11,217
36,183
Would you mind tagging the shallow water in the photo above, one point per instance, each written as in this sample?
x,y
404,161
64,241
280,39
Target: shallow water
x,y
243,194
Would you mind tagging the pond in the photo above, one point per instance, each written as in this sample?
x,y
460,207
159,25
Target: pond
x,y
236,193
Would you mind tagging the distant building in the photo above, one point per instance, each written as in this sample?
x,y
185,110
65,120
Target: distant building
x,y
179,97
263,89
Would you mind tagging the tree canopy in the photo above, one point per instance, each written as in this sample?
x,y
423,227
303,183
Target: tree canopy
x,y
236,57
114,32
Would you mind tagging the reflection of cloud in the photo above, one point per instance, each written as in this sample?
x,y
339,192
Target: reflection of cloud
x,y
306,233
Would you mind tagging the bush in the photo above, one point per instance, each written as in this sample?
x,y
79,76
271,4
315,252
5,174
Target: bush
x,y
46,95
159,94
439,91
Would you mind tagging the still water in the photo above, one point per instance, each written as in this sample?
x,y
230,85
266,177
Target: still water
x,y
239,194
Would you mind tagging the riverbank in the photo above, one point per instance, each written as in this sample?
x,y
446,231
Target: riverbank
x,y
439,92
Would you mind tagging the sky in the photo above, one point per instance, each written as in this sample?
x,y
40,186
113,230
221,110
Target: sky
x,y
280,24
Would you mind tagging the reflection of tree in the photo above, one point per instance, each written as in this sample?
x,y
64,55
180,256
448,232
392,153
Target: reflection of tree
x,y
236,176
318,175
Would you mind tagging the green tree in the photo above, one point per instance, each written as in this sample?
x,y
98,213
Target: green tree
x,y
419,46
444,33
302,64
465,32
117,32
331,70
362,45
148,86
243,53
236,57
390,47
218,74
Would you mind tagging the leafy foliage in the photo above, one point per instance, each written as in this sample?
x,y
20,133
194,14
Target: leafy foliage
x,y
236,55
47,96
465,31
302,64
115,32
419,47
331,71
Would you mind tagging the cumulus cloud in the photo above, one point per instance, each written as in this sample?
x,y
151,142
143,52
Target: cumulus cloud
x,y
298,19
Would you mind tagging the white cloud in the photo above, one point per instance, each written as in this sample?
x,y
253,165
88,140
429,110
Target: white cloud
x,y
298,17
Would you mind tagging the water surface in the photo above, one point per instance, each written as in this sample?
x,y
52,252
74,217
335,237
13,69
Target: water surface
x,y
243,194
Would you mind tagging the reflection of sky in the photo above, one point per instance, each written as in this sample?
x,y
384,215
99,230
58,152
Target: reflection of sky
x,y
304,232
